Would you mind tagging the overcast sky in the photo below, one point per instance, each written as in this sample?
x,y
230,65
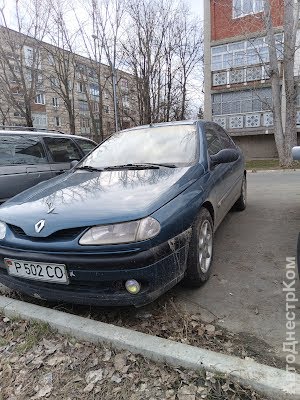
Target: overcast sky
x,y
197,7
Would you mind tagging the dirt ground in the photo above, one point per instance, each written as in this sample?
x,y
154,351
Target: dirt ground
x,y
36,363
244,293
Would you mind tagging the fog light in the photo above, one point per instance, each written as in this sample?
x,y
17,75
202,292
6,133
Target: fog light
x,y
132,286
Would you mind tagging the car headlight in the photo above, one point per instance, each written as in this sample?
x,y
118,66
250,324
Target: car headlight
x,y
126,232
2,230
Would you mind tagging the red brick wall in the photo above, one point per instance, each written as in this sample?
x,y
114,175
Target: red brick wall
x,y
224,26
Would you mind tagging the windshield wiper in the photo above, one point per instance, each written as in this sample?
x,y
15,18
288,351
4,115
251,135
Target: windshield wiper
x,y
164,165
140,166
90,168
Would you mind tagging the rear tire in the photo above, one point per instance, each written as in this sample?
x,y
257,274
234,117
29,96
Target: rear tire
x,y
241,202
201,250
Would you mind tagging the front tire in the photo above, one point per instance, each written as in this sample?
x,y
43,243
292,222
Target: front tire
x,y
201,250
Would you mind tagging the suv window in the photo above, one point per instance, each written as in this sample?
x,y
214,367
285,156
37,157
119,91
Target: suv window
x,y
214,144
225,139
85,145
62,149
18,149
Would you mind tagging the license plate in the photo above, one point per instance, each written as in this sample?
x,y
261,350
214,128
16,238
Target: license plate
x,y
55,273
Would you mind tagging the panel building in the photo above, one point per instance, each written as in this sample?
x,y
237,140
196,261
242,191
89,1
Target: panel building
x,y
61,90
237,82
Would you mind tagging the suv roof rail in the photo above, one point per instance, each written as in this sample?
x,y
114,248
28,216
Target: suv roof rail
x,y
29,128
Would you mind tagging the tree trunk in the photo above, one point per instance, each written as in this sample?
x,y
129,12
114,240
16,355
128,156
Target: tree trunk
x,y
289,81
275,82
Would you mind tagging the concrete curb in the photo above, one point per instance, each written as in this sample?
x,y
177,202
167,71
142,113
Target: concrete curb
x,y
255,171
269,381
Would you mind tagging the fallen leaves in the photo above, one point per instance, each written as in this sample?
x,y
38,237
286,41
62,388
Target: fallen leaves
x,y
58,367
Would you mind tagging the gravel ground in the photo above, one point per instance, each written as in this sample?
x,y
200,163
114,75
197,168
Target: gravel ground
x,y
37,363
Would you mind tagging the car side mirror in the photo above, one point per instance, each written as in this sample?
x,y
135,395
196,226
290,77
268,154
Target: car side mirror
x,y
224,156
73,163
296,153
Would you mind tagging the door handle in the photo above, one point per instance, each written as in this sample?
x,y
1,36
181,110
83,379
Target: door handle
x,y
33,172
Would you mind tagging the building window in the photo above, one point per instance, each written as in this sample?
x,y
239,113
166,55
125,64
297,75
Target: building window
x,y
248,52
243,101
80,87
55,102
84,123
106,109
94,89
54,81
124,83
40,99
241,8
40,120
83,105
51,59
57,121
28,55
95,106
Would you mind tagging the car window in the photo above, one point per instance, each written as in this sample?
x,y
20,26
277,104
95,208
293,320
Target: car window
x,y
214,144
85,145
170,144
19,149
225,139
62,149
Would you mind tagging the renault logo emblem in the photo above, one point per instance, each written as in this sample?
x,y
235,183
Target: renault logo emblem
x,y
39,226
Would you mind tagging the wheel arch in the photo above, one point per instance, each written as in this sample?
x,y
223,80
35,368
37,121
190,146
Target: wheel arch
x,y
208,205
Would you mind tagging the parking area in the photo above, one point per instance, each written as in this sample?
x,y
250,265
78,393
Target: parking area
x,y
245,292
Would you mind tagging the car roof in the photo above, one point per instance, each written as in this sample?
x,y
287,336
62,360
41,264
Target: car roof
x,y
42,133
170,123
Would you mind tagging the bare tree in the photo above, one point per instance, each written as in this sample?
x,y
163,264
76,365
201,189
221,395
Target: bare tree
x,y
61,74
162,48
20,56
283,89
190,53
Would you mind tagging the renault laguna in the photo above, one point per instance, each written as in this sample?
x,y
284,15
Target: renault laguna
x,y
128,222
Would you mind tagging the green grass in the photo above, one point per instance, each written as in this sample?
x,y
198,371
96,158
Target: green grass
x,y
267,164
33,335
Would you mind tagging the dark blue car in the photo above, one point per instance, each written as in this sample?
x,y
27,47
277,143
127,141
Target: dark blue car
x,y
133,218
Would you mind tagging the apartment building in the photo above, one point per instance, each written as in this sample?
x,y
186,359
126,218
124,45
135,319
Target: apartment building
x,y
237,82
61,90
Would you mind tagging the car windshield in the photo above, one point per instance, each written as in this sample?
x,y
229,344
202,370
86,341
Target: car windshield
x,y
174,145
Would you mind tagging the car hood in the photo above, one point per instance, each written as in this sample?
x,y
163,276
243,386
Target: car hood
x,y
81,198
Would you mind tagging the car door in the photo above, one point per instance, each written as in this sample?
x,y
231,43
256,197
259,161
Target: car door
x,y
236,167
221,173
23,164
62,151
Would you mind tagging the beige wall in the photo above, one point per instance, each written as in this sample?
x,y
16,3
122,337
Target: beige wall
x,y
257,146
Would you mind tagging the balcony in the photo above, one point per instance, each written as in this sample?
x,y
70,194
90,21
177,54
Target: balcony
x,y
240,75
246,120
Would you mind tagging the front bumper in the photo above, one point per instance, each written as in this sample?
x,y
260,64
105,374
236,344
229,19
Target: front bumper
x,y
100,280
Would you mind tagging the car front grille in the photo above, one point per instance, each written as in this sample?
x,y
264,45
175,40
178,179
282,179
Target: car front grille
x,y
64,234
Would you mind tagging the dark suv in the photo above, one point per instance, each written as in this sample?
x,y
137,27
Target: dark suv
x,y
30,157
